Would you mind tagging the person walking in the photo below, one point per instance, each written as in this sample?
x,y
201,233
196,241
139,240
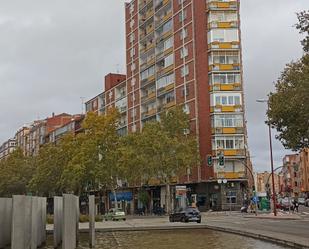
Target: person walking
x,y
296,205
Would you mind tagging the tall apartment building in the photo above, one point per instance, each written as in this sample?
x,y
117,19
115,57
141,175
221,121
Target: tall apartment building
x,y
263,179
188,53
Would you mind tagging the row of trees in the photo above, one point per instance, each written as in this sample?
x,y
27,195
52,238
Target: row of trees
x,y
98,158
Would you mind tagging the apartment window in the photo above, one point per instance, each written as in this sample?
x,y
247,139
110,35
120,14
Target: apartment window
x,y
133,81
132,37
132,52
184,71
222,16
170,97
185,91
183,33
295,184
133,66
182,15
165,80
147,73
225,78
131,7
180,2
168,43
186,109
228,142
184,52
227,120
226,99
223,35
224,58
169,60
132,23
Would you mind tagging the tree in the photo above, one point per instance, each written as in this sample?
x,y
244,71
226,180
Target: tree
x,y
16,173
288,105
303,27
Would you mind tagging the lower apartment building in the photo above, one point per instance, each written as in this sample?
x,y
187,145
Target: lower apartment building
x,y
296,174
7,148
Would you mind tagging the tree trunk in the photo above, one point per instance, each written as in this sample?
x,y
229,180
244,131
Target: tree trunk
x,y
168,198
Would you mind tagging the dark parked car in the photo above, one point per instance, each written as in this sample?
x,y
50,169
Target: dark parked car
x,y
186,215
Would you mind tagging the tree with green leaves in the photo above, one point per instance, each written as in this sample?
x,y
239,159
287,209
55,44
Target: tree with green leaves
x,y
288,105
16,173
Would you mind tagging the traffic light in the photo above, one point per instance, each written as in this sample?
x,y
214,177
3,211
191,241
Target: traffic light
x,y
221,160
209,160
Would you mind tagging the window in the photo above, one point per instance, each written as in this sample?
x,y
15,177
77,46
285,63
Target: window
x,y
133,81
165,80
184,71
185,91
133,67
183,33
182,15
132,52
132,23
168,43
226,99
222,16
225,78
169,60
186,109
223,35
180,2
228,142
227,120
147,73
224,58
183,52
132,38
131,7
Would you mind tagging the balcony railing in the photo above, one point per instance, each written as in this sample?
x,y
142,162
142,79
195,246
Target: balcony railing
x,y
224,45
149,113
226,108
148,97
224,67
227,130
231,152
225,87
223,25
165,89
222,5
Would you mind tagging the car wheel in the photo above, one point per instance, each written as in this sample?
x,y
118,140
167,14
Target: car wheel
x,y
124,219
199,221
171,219
183,219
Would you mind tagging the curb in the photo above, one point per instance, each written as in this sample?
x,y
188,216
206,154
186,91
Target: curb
x,y
273,218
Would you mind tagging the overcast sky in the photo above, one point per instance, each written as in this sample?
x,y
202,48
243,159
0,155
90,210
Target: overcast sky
x,y
54,53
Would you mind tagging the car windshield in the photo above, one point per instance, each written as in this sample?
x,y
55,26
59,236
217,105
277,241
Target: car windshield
x,y
192,210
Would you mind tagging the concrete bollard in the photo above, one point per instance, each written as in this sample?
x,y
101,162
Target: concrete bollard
x,y
58,206
35,211
5,221
69,221
91,221
77,218
8,221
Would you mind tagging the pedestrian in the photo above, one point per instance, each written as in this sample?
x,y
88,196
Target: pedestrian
x,y
296,205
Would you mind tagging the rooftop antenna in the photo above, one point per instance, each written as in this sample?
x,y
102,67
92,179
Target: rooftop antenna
x,y
117,68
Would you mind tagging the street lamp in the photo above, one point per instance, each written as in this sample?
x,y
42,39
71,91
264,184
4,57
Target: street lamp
x,y
271,156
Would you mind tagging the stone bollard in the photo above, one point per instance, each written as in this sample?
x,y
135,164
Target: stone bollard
x,y
91,221
5,221
69,221
35,219
58,217
21,222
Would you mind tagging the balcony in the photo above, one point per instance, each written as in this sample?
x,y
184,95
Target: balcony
x,y
149,113
224,45
167,105
143,4
231,152
219,5
164,70
223,25
225,87
163,36
150,79
224,67
148,97
226,108
165,89
227,130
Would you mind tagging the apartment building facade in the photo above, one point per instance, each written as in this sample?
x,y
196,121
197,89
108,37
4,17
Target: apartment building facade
x,y
7,148
263,183
296,174
188,53
185,52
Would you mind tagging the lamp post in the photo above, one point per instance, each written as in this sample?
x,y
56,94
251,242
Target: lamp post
x,y
271,156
